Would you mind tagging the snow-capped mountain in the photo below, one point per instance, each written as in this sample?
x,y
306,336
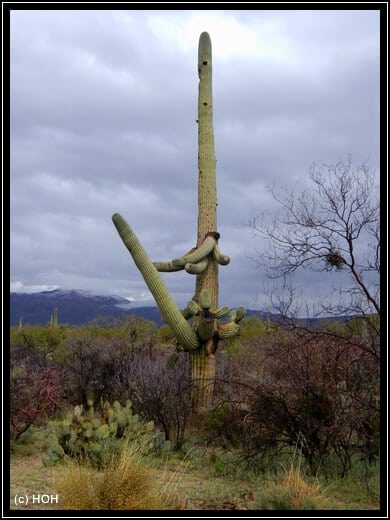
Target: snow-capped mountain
x,y
77,307
74,307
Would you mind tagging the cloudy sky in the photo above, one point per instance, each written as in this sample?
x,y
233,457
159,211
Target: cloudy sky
x,y
103,120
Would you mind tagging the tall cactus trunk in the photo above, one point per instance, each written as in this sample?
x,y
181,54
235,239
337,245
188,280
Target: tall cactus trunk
x,y
202,379
201,337
203,359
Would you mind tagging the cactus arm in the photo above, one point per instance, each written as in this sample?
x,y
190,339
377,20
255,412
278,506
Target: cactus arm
x,y
186,313
196,268
205,300
219,257
206,324
169,310
167,267
191,310
228,330
232,327
200,252
239,314
221,313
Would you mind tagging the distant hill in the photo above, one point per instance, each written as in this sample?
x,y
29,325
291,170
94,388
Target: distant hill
x,y
79,307
74,307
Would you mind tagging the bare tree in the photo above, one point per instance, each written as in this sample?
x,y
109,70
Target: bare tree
x,y
333,225
316,392
160,390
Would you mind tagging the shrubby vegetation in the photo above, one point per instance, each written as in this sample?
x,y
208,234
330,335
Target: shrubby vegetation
x,y
276,390
313,392
109,387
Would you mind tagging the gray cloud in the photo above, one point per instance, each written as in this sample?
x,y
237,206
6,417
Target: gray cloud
x,y
103,110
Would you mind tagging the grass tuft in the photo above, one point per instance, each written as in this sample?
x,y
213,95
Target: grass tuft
x,y
293,492
127,483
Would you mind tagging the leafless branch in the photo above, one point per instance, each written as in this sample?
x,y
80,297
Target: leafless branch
x,y
332,225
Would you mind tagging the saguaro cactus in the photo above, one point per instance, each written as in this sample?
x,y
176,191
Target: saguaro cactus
x,y
54,318
200,336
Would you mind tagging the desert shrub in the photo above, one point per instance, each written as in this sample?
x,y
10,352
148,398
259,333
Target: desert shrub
x,y
35,393
92,361
45,340
158,385
34,441
317,391
224,425
253,327
165,335
216,418
95,355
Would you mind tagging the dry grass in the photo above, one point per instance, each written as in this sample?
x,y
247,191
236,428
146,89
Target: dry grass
x,y
78,487
125,484
137,482
28,476
294,492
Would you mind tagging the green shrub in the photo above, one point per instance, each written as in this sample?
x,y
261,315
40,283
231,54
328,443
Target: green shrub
x,y
44,339
34,441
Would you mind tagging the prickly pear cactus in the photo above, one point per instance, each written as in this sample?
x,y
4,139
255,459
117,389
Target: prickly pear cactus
x,y
96,438
200,336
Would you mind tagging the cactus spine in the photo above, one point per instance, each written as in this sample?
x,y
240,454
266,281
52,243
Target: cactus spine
x,y
201,337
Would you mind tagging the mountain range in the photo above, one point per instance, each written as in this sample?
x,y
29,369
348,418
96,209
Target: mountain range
x,y
79,307
75,307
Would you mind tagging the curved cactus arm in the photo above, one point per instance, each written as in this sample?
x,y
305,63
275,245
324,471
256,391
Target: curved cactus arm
x,y
166,267
196,268
240,314
228,330
221,312
237,315
219,257
186,314
191,310
169,310
231,328
196,256
232,316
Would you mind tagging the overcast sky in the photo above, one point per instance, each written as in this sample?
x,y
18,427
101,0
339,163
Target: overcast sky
x,y
103,120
